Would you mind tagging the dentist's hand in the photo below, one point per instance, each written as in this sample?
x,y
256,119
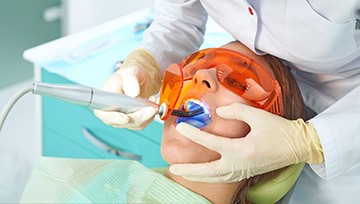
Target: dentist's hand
x,y
273,142
139,76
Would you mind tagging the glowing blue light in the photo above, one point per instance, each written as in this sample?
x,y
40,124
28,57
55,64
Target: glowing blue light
x,y
199,121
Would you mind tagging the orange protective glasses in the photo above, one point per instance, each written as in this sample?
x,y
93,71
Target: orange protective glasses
x,y
237,72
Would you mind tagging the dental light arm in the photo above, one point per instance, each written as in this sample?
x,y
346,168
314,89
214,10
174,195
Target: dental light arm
x,y
103,100
91,98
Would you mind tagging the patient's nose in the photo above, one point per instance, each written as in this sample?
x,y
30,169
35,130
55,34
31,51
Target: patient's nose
x,y
206,79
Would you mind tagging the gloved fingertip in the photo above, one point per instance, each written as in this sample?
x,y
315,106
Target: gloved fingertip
x,y
174,169
118,120
131,86
152,99
190,174
186,130
184,126
222,110
102,115
236,111
96,112
231,107
148,112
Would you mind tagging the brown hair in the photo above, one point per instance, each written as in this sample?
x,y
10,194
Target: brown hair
x,y
293,109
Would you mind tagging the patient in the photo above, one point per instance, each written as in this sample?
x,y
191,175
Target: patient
x,y
113,181
178,149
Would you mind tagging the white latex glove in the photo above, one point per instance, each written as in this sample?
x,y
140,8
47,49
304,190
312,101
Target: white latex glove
x,y
273,142
139,76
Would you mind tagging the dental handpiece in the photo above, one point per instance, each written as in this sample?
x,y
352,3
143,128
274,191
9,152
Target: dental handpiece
x,y
102,100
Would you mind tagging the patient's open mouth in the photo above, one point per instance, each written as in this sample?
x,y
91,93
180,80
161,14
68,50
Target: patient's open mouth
x,y
199,121
193,104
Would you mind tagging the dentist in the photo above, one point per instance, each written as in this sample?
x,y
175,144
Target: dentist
x,y
320,43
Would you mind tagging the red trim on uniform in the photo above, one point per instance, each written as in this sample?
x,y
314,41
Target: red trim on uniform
x,y
250,10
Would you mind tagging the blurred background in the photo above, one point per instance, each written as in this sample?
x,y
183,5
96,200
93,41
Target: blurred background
x,y
25,24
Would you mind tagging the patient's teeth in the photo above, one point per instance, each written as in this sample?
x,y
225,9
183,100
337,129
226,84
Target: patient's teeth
x,y
199,121
188,104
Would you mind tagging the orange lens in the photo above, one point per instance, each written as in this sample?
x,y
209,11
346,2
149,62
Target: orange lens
x,y
171,88
237,72
251,81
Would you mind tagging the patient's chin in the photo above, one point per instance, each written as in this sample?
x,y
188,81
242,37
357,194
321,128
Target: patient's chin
x,y
175,152
176,148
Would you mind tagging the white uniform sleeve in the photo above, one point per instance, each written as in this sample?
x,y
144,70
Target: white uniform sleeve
x,y
177,30
338,128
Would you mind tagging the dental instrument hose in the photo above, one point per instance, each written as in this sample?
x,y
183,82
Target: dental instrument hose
x,y
8,106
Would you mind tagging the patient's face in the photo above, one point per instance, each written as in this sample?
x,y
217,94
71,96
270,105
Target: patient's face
x,y
176,148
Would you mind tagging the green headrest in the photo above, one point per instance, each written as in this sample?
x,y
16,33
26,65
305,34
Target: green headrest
x,y
274,189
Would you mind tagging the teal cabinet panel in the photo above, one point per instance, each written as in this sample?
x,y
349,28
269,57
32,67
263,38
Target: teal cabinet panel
x,y
155,128
55,145
71,121
153,131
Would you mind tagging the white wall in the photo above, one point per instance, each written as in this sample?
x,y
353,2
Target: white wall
x,y
82,14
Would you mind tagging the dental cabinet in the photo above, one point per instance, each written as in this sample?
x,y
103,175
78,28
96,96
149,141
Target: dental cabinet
x,y
88,58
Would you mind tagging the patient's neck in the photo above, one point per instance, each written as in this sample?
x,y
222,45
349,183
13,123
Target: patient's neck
x,y
214,192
